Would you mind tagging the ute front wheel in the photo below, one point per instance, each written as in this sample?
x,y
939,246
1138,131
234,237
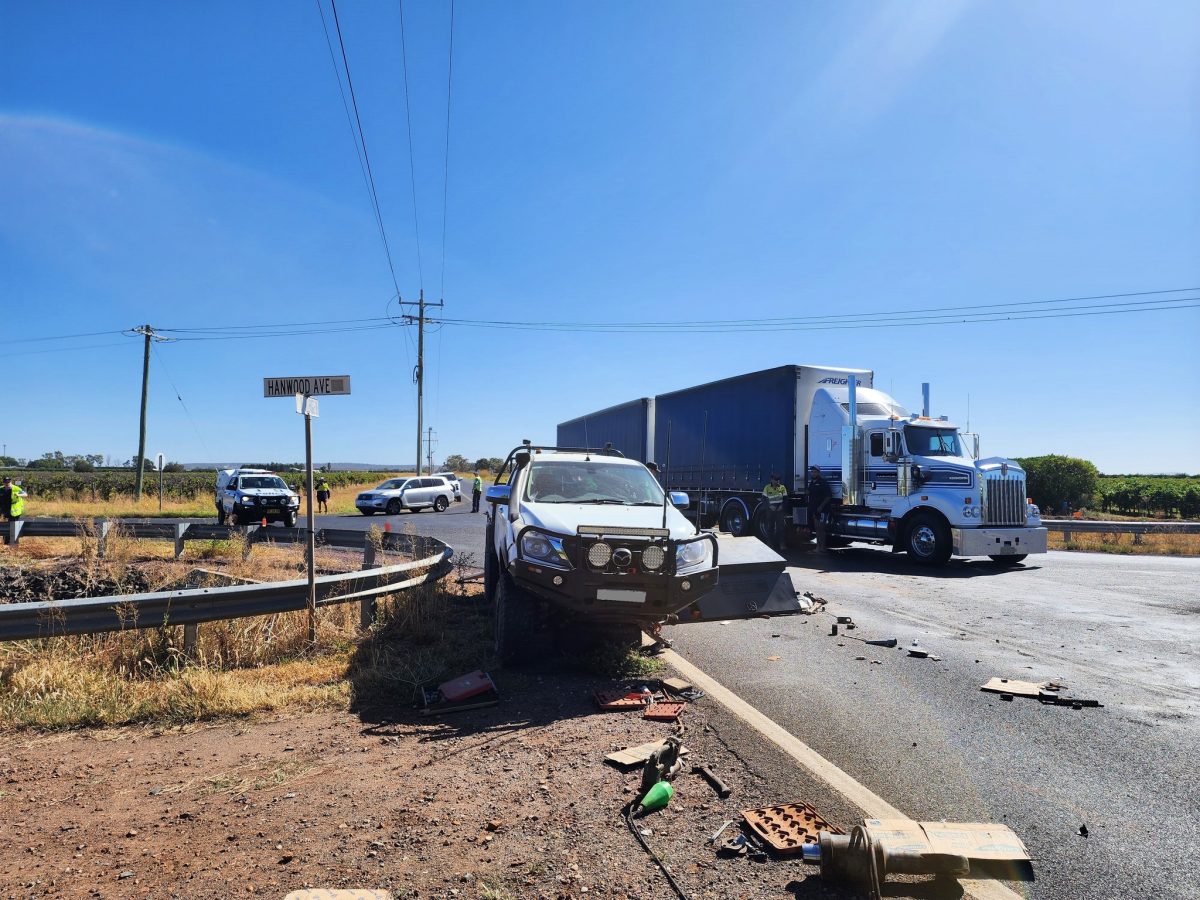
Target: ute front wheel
x,y
927,539
515,622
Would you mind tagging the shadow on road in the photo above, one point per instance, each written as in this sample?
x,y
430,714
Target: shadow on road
x,y
867,559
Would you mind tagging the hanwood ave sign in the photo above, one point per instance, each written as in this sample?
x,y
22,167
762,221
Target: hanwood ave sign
x,y
309,385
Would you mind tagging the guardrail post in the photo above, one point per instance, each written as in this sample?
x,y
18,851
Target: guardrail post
x,y
180,530
191,634
367,610
1066,536
13,535
1137,537
249,538
102,527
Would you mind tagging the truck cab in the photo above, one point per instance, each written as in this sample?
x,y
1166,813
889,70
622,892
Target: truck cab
x,y
590,537
909,480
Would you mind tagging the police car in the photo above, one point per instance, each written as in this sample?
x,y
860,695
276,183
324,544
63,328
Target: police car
x,y
248,496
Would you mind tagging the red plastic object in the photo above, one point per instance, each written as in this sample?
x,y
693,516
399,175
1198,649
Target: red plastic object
x,y
470,685
667,711
619,700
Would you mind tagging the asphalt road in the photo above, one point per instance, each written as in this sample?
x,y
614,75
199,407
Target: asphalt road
x,y
920,733
457,526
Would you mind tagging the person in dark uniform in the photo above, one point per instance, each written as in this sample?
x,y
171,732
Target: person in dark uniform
x,y
820,495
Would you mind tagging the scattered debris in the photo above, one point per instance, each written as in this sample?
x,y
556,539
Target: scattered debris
x,y
470,685
664,710
1012,686
1047,693
655,799
1083,830
1008,697
661,765
918,651
884,642
773,659
722,789
677,685
474,690
716,834
622,701
635,756
957,849
845,620
788,827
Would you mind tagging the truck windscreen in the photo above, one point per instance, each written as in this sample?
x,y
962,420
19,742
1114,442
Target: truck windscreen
x,y
589,482
931,441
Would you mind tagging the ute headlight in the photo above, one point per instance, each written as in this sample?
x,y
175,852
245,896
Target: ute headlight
x,y
599,554
653,557
544,549
692,555
249,501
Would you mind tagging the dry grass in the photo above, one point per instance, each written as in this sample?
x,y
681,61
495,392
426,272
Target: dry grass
x,y
238,667
1151,544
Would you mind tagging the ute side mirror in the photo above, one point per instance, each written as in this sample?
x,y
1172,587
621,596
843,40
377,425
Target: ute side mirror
x,y
499,493
891,446
680,500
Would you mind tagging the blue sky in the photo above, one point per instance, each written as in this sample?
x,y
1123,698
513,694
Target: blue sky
x,y
190,166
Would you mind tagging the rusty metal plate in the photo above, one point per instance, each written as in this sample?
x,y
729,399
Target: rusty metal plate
x,y
620,700
664,711
787,828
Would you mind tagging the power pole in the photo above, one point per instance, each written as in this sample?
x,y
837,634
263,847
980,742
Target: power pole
x,y
419,371
148,333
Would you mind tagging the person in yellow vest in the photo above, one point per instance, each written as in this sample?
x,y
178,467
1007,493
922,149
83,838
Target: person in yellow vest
x,y
476,492
775,494
12,499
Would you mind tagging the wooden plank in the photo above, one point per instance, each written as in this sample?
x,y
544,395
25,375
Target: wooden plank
x,y
1014,687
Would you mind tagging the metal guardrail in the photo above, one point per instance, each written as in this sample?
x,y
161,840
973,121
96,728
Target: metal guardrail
x,y
91,615
1069,527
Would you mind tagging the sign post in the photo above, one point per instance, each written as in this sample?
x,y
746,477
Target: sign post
x,y
159,462
306,389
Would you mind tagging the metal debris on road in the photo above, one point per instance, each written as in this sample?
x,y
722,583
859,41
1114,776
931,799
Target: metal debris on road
x,y
788,827
664,710
1047,693
723,790
716,834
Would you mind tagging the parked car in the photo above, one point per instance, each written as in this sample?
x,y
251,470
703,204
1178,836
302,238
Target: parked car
x,y
245,496
455,482
397,495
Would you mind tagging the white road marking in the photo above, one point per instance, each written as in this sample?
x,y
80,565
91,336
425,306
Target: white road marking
x,y
872,805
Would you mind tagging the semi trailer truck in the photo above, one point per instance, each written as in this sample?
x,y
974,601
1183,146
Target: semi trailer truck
x,y
905,480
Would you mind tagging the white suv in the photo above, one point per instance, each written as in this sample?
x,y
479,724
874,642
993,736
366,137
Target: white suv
x,y
397,495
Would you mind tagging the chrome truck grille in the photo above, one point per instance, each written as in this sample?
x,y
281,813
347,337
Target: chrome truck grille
x,y
1004,500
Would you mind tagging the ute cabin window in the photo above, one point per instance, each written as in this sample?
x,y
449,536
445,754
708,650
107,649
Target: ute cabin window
x,y
877,443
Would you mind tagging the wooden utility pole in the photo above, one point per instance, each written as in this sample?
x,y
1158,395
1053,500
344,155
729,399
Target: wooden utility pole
x,y
148,333
419,371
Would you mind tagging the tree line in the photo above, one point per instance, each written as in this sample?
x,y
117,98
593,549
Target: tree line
x,y
1066,483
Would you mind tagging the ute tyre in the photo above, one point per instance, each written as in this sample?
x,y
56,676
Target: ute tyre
x,y
394,508
927,539
220,515
491,569
1007,560
289,520
440,504
515,624
733,518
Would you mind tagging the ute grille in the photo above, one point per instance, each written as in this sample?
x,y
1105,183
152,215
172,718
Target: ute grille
x,y
1004,501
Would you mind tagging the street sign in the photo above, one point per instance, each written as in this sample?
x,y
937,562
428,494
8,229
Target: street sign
x,y
306,406
312,385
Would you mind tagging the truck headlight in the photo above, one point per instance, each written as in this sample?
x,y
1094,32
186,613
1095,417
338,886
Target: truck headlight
x,y
692,554
544,549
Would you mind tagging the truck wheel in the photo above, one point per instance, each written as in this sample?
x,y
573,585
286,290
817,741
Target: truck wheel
x,y
393,508
733,518
927,539
440,504
515,623
1006,561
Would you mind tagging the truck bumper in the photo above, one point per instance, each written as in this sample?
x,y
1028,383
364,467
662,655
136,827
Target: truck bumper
x,y
998,541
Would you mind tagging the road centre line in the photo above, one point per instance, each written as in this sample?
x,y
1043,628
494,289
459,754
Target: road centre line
x,y
872,805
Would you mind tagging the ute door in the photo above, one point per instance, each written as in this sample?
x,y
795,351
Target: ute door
x,y
879,475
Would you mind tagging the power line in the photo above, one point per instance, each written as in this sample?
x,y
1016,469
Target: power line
x,y
446,162
366,157
178,396
6,354
412,169
58,337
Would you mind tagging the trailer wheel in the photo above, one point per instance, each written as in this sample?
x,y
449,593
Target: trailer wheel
x,y
516,624
1005,561
735,518
927,539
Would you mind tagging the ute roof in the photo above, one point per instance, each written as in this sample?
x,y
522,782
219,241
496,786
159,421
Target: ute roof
x,y
578,456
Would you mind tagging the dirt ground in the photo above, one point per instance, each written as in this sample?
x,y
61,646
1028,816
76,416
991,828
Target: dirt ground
x,y
511,801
